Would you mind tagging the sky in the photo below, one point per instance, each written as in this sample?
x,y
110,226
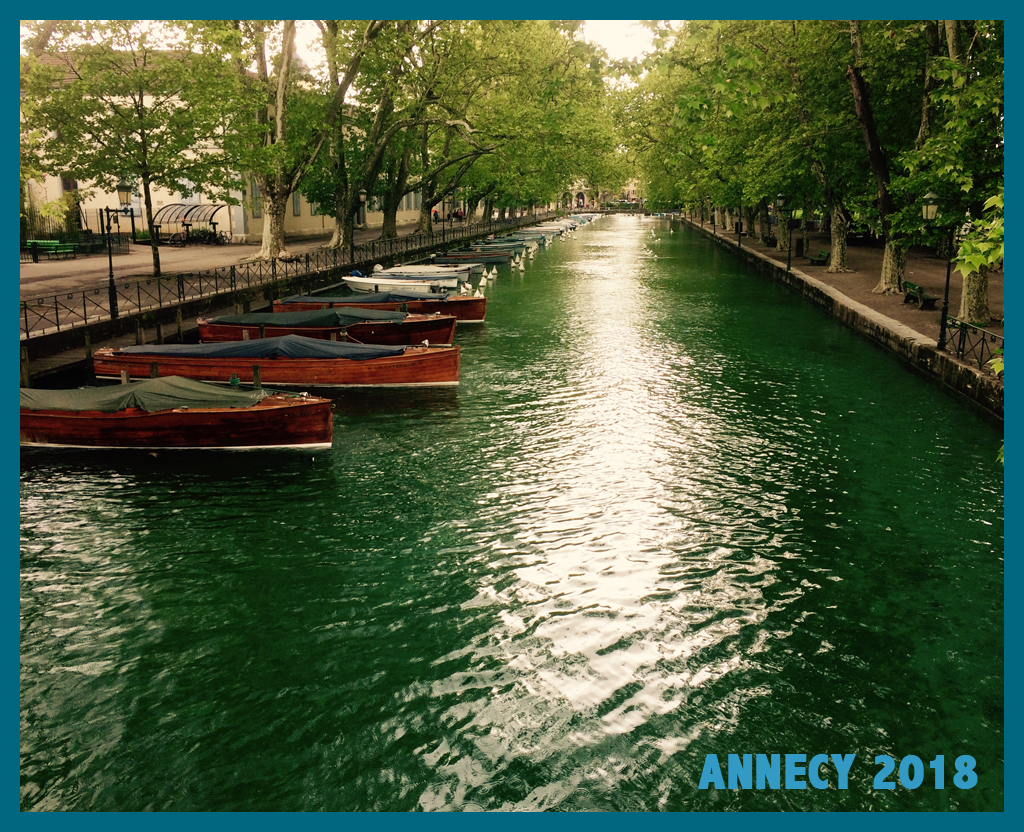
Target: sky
x,y
620,38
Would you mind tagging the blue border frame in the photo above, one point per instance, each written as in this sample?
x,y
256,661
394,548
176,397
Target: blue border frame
x,y
1014,291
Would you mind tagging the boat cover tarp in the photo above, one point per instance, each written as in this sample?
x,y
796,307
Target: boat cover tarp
x,y
284,346
152,395
371,297
339,316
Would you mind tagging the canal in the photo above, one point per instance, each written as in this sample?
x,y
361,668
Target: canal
x,y
671,510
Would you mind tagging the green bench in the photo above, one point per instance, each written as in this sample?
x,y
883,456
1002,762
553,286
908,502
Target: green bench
x,y
821,259
912,293
42,245
64,251
51,248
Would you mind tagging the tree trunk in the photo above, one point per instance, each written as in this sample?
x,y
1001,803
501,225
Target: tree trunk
x,y
764,220
425,225
389,225
338,234
974,298
154,243
749,218
272,244
895,258
894,267
837,262
782,234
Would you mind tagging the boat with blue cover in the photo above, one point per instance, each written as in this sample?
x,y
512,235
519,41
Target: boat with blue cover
x,y
288,361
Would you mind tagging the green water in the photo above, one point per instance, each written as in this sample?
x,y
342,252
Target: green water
x,y
671,510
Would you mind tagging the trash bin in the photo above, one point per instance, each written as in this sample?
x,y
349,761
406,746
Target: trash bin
x,y
800,247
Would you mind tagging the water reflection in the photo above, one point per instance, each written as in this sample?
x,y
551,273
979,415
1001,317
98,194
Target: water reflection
x,y
632,536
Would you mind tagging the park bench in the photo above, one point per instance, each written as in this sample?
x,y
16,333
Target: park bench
x,y
65,251
821,259
42,245
53,249
912,293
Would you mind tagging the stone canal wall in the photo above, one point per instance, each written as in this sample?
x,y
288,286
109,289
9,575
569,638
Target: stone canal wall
x,y
917,350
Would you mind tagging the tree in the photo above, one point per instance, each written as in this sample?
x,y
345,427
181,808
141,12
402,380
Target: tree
x,y
123,98
289,123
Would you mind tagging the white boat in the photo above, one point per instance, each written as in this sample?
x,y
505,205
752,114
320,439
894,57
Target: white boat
x,y
422,270
399,284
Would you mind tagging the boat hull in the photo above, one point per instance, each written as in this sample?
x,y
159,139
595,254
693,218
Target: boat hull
x,y
416,367
465,310
277,422
427,286
474,256
415,329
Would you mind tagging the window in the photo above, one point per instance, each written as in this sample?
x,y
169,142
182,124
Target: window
x,y
257,208
296,205
68,184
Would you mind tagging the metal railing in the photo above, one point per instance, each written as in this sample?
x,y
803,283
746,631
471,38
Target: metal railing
x,y
972,343
56,313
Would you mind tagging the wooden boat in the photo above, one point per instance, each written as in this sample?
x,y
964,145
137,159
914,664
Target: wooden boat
x,y
287,361
174,413
465,309
343,323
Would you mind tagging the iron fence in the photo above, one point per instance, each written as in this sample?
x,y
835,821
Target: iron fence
x,y
56,313
972,343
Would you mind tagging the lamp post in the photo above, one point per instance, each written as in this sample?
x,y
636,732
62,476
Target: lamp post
x,y
739,228
124,196
929,210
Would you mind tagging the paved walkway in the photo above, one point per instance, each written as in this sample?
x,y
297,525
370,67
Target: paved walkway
x,y
50,277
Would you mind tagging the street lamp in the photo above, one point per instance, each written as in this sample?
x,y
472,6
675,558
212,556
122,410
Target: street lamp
x,y
124,196
930,210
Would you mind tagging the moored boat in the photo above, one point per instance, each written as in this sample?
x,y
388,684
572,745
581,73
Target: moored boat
x,y
174,413
343,323
419,271
465,309
396,283
468,255
287,361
